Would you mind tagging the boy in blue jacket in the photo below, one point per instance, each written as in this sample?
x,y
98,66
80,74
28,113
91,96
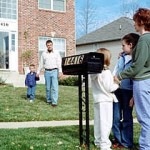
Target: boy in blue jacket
x,y
30,82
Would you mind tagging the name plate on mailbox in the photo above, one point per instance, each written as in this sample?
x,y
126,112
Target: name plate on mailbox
x,y
81,64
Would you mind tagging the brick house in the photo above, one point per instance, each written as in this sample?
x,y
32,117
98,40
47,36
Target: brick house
x,y
26,25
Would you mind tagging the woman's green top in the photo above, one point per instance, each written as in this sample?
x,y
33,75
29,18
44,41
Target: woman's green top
x,y
140,68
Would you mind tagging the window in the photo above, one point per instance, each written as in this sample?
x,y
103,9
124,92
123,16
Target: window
x,y
13,42
8,9
57,5
59,45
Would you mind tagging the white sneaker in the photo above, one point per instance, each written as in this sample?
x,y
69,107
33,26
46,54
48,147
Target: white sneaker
x,y
31,101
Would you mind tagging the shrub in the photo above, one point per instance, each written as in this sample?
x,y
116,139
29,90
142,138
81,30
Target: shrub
x,y
26,57
69,81
2,82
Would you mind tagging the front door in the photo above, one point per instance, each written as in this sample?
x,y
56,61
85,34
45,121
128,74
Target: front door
x,y
4,50
7,50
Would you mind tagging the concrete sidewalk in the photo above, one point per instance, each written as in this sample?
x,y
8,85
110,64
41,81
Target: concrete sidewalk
x,y
36,124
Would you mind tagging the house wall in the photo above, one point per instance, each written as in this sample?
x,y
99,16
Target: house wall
x,y
113,46
34,22
31,23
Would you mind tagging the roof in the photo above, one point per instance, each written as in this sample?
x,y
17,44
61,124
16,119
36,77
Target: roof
x,y
110,32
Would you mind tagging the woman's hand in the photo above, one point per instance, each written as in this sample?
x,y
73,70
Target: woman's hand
x,y
116,80
131,102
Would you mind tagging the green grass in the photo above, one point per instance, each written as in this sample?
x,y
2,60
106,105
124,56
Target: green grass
x,y
58,138
53,138
15,107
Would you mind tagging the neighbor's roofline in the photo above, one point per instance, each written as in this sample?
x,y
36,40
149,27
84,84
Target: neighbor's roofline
x,y
98,42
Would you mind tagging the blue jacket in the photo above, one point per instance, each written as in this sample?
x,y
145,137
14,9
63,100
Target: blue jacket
x,y
31,79
123,64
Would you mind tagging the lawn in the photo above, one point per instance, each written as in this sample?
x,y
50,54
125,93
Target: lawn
x,y
52,138
15,107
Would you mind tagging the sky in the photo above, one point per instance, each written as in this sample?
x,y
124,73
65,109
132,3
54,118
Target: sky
x,y
104,12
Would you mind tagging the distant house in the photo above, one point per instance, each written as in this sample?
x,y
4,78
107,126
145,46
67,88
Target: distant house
x,y
108,36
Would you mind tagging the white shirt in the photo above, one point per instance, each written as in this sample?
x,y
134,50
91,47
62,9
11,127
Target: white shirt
x,y
103,87
50,61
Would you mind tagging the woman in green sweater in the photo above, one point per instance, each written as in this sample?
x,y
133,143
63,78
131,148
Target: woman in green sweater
x,y
139,71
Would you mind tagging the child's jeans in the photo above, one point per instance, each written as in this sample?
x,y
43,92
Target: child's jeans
x,y
31,92
122,118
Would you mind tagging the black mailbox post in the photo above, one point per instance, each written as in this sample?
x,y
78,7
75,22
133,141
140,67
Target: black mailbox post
x,y
82,65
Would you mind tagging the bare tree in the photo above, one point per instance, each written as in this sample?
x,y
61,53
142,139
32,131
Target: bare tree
x,y
129,7
86,17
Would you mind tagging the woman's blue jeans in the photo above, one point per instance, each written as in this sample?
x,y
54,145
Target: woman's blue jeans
x,y
141,93
122,118
51,82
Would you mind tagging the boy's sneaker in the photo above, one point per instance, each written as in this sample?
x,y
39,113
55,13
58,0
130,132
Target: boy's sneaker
x,y
31,101
28,96
49,102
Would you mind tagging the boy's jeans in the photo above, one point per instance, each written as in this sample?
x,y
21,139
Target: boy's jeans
x,y
31,92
